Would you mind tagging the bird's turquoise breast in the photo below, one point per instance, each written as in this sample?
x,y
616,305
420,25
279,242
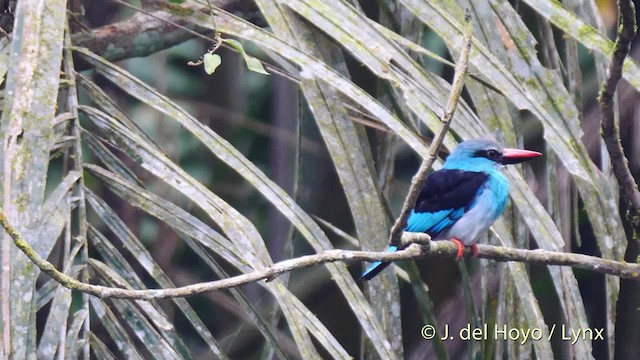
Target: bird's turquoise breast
x,y
499,185
482,212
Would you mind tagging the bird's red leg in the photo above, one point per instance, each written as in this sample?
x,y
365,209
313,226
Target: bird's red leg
x,y
460,248
474,250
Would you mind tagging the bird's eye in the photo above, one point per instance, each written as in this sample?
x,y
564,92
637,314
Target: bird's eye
x,y
492,154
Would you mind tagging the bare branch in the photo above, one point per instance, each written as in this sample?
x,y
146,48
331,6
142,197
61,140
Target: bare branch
x,y
421,176
610,129
414,251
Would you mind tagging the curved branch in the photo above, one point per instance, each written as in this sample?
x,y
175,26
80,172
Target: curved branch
x,y
414,251
610,130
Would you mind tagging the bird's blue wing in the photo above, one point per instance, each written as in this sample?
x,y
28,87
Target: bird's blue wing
x,y
433,223
445,197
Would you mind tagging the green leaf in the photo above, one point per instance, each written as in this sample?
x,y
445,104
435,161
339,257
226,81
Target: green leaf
x,y
100,350
117,331
113,258
29,105
51,336
253,63
211,62
105,103
73,344
148,333
197,235
164,168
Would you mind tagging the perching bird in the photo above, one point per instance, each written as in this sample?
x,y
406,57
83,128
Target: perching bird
x,y
462,200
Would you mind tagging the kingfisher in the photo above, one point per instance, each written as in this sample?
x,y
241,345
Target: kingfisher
x,y
461,200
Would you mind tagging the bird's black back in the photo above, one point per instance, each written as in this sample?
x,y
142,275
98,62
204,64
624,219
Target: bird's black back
x,y
449,189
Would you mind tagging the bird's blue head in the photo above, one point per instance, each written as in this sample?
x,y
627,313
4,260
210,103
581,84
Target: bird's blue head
x,y
485,155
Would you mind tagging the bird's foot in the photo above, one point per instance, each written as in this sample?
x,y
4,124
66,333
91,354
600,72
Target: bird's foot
x,y
460,249
474,250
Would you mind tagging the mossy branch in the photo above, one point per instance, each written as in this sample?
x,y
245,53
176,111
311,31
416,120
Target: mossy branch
x,y
414,251
144,34
610,129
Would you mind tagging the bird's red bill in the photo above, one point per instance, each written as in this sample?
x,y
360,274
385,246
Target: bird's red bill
x,y
514,156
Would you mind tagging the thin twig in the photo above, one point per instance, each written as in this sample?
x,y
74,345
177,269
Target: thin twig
x,y
420,177
610,129
436,248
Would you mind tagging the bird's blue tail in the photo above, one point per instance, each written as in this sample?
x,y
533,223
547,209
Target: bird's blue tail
x,y
375,268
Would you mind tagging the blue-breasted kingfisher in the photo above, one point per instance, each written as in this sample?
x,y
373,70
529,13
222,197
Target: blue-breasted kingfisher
x,y
460,201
